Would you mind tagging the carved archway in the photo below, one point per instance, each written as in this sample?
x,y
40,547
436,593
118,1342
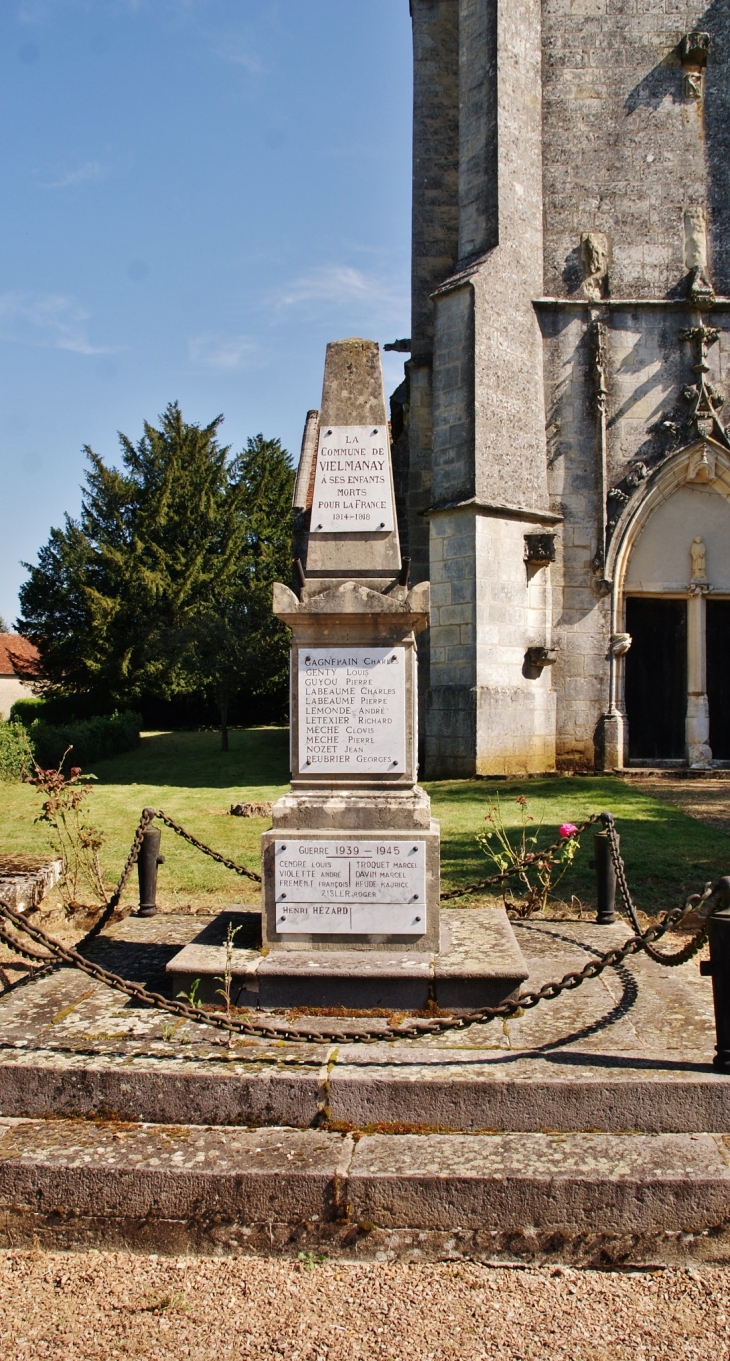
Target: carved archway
x,y
703,464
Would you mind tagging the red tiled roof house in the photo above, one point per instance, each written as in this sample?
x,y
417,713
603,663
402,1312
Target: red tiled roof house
x,y
15,655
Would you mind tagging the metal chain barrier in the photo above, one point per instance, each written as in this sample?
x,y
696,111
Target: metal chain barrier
x,y
201,846
680,956
414,1029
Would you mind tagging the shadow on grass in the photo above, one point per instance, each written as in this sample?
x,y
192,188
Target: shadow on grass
x,y
258,757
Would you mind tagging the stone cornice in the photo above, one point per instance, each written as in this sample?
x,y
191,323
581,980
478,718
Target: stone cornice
x,y
497,512
618,304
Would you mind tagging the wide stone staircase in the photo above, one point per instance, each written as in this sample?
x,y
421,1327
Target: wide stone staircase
x,y
592,1129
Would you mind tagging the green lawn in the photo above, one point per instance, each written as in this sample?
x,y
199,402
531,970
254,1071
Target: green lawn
x,y
667,853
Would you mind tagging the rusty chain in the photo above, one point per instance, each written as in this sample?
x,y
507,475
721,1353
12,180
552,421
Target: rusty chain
x,y
201,846
414,1029
693,946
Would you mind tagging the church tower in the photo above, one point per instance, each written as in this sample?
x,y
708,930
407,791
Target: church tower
x,y
564,465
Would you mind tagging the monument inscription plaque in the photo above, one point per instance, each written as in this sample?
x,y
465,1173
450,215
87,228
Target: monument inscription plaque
x,y
352,482
352,709
350,887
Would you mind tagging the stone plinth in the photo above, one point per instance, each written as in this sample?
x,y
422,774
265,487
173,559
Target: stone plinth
x,y
474,961
354,754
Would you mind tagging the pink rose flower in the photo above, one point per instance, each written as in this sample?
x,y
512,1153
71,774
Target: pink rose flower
x,y
567,830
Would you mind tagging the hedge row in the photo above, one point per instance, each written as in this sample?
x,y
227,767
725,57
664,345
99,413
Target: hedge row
x,y
91,739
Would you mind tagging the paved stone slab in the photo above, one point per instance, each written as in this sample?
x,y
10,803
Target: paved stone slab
x,y
592,1199
115,1170
384,1086
26,879
631,1050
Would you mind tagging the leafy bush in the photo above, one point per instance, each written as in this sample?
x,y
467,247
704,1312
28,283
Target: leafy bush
x,y
91,739
16,753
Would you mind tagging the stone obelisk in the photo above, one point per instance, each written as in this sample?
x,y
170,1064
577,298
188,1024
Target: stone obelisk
x,y
352,861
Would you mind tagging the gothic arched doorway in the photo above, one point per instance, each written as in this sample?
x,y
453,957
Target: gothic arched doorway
x,y
675,604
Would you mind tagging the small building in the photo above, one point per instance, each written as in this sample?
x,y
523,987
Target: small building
x,y
15,655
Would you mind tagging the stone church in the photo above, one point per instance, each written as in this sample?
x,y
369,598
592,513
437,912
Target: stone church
x,y
561,460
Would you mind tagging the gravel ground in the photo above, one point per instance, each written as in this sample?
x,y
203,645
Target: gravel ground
x,y
105,1305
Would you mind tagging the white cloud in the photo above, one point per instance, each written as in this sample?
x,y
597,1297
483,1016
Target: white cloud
x,y
369,300
89,170
336,284
224,352
49,320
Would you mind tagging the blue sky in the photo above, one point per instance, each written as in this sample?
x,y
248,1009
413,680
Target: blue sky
x,y
197,196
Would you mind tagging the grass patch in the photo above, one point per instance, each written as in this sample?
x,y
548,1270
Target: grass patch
x,y
667,853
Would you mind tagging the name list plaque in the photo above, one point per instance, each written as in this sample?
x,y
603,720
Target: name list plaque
x,y
352,710
350,888
352,486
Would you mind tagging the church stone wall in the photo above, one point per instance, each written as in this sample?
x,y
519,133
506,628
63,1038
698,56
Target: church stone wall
x,y
549,375
624,149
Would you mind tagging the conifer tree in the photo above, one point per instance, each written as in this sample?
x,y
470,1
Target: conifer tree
x,y
162,586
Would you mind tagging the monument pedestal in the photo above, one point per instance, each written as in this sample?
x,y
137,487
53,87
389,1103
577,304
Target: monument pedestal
x,y
477,963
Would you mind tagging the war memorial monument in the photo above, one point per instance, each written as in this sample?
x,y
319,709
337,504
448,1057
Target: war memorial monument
x,y
523,567
351,865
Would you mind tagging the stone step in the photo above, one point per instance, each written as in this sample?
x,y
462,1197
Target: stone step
x,y
584,1198
378,1086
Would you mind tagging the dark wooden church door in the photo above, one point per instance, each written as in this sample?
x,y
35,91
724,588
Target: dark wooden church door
x,y
718,687
656,678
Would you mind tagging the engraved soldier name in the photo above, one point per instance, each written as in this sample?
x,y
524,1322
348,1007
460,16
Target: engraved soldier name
x,y
352,709
350,887
352,485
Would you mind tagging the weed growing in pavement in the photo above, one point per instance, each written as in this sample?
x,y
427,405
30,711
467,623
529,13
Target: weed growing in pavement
x,y
191,997
227,978
310,1260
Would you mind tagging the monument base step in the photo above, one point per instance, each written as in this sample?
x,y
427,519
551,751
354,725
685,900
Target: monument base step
x,y
590,1199
479,964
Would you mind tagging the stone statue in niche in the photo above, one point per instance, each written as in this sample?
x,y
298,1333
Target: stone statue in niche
x,y
594,257
695,254
693,51
699,560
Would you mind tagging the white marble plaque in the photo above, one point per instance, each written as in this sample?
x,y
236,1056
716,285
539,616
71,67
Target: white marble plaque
x,y
352,484
352,710
346,887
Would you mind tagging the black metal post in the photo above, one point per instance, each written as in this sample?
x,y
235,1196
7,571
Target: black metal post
x,y
605,879
717,967
148,860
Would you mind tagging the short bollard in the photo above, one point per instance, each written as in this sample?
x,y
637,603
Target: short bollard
x,y
148,860
605,879
717,967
